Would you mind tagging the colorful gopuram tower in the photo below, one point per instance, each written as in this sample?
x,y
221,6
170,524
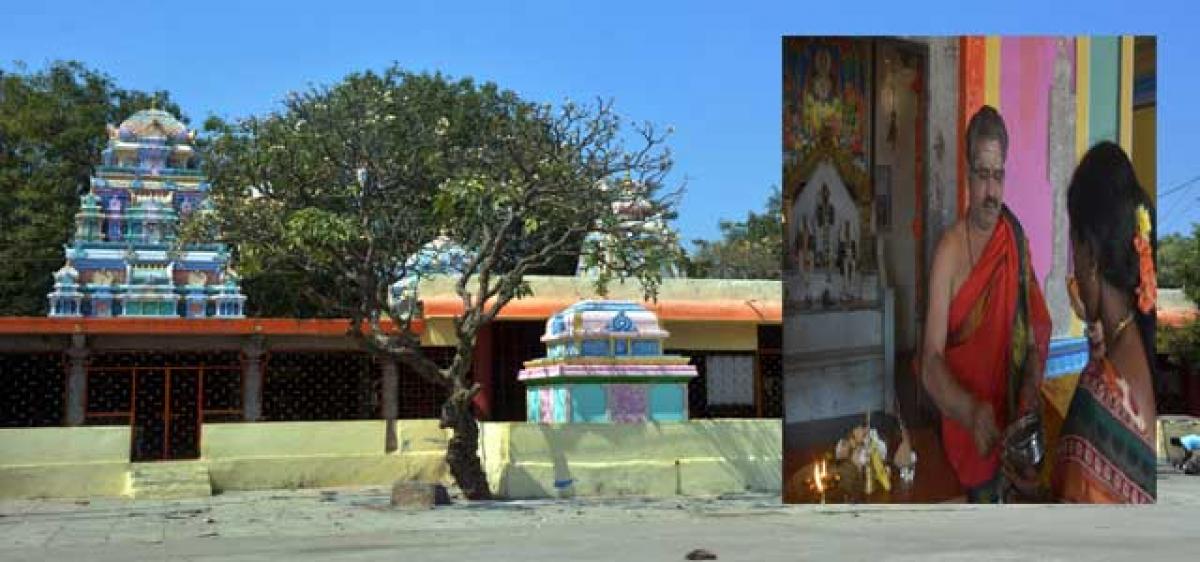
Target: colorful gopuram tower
x,y
123,260
604,364
639,221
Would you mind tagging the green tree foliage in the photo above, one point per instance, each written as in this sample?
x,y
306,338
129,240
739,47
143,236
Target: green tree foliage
x,y
343,183
748,249
51,134
1176,254
1179,267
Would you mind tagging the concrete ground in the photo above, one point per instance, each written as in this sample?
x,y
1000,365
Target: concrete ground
x,y
356,524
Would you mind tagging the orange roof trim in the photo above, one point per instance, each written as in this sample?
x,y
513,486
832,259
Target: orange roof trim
x,y
722,310
716,310
1177,318
181,326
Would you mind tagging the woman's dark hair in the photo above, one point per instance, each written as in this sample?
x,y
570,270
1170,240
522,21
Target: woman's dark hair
x,y
1102,201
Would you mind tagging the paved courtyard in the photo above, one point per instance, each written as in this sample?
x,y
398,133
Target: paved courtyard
x,y
356,524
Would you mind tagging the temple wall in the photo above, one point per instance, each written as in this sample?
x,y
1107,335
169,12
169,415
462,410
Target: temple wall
x,y
572,289
522,460
700,457
439,332
64,462
705,457
707,336
898,154
711,336
249,456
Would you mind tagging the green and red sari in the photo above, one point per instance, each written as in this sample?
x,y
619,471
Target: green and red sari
x,y
1103,456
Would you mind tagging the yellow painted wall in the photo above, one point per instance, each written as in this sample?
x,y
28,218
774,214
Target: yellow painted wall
x,y
701,457
439,332
56,445
266,455
578,288
1145,150
64,462
711,336
275,439
1083,80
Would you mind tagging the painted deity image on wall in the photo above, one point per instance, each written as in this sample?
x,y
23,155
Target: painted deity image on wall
x,y
825,92
826,126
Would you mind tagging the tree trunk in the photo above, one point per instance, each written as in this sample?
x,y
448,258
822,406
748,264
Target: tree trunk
x,y
461,453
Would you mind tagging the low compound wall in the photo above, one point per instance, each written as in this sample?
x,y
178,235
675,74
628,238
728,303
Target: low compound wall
x,y
702,457
272,455
64,462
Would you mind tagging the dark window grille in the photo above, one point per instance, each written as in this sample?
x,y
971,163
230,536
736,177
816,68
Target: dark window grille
x,y
32,389
222,394
419,398
770,366
315,386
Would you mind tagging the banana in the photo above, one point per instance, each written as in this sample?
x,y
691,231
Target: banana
x,y
881,473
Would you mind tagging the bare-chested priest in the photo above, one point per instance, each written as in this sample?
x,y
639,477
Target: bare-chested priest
x,y
987,329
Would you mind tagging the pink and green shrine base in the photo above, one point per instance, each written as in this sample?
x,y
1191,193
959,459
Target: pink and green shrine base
x,y
604,364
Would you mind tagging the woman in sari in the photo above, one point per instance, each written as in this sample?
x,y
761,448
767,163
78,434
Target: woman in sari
x,y
1106,449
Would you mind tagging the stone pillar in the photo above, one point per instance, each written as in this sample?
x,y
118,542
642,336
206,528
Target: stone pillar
x,y
941,211
252,354
390,402
1062,165
77,380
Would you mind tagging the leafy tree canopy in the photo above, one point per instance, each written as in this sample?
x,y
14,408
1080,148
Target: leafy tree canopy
x,y
344,182
748,249
52,129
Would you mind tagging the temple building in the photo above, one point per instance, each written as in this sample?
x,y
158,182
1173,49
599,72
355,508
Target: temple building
x,y
146,356
123,260
638,219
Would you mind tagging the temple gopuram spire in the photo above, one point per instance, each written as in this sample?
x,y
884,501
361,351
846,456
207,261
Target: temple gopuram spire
x,y
122,261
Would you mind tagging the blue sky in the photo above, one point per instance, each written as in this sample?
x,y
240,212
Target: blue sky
x,y
711,71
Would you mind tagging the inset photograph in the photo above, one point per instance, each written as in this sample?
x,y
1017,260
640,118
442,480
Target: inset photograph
x,y
970,279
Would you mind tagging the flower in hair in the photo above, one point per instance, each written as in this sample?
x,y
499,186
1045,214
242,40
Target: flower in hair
x,y
1143,222
1147,290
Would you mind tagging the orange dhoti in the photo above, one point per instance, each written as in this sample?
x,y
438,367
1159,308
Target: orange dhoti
x,y
996,314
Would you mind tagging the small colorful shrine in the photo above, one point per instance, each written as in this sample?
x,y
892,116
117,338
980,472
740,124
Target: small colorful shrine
x,y
123,260
604,364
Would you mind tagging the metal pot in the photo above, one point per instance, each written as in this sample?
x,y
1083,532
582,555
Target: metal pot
x,y
1025,443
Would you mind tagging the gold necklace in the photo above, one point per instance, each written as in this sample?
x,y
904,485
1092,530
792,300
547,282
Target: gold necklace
x,y
1120,327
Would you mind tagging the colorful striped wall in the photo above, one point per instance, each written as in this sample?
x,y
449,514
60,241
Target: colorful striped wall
x,y
1015,75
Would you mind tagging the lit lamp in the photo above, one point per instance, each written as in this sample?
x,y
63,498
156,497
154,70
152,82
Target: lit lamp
x,y
821,480
818,480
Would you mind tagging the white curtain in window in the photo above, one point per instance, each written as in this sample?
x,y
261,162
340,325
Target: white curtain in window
x,y
730,379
